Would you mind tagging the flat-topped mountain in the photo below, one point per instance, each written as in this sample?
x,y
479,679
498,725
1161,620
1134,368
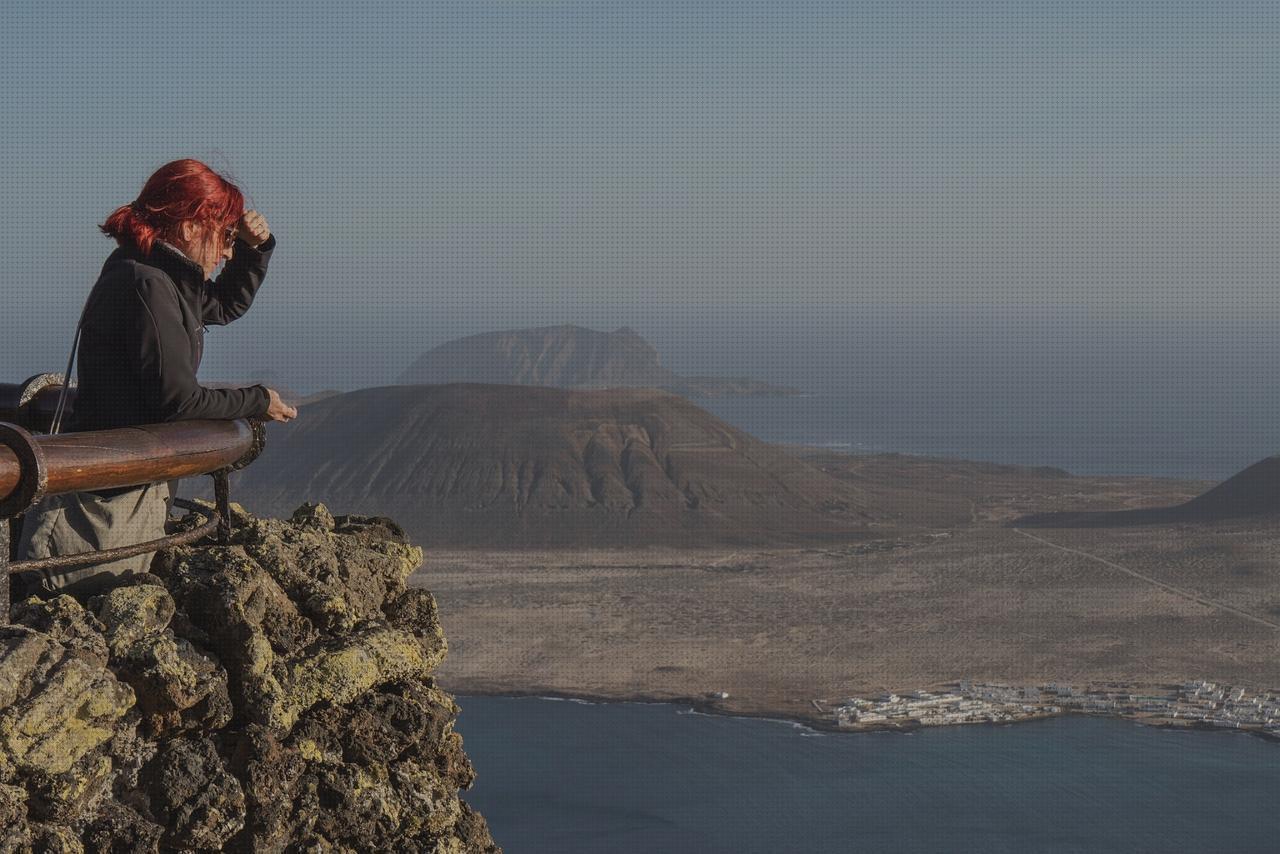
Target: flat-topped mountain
x,y
1255,491
505,465
568,357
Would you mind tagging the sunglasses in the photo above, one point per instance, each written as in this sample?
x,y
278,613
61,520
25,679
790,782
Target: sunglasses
x,y
229,235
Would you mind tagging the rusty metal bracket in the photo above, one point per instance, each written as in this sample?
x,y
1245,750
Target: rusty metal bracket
x,y
27,412
34,385
222,501
222,484
212,522
35,473
4,572
259,429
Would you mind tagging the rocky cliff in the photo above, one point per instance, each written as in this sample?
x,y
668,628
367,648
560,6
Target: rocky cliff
x,y
271,695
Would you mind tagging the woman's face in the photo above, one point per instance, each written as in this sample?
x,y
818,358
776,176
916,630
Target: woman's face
x,y
207,245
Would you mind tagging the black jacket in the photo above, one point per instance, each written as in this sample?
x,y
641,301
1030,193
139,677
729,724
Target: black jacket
x,y
143,336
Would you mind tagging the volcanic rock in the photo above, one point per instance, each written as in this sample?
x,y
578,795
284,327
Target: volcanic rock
x,y
272,694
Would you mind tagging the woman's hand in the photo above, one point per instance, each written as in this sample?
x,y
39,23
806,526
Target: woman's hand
x,y
278,410
253,229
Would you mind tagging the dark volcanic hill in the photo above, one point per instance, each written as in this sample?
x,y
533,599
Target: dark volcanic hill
x,y
1255,491
488,465
568,357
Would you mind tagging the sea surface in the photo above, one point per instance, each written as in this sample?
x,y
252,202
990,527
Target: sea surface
x,y
1115,440
567,776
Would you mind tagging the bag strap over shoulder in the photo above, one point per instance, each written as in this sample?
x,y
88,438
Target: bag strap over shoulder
x,y
56,424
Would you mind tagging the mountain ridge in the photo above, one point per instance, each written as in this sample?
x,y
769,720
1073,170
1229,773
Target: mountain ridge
x,y
568,356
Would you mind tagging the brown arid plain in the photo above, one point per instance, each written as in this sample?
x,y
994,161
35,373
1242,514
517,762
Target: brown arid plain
x,y
946,585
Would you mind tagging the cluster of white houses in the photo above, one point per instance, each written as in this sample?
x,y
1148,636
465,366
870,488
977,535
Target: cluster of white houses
x,y
924,708
1198,702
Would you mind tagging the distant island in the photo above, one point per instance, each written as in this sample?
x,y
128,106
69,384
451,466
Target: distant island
x,y
571,357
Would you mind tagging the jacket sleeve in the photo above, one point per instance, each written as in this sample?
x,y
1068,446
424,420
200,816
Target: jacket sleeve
x,y
168,381
231,294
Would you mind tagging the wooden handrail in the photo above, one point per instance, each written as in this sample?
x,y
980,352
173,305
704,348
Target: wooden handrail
x,y
131,456
32,466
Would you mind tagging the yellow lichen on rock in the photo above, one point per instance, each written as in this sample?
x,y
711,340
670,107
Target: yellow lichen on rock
x,y
71,714
161,652
74,791
132,613
342,673
309,750
433,806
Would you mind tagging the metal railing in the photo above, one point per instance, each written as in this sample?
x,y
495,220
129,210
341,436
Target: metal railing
x,y
34,466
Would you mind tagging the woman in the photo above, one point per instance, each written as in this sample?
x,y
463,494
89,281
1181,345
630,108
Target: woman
x,y
141,340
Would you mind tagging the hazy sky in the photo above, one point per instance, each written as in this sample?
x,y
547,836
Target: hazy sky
x,y
1035,199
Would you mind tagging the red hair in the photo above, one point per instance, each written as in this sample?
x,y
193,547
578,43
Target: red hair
x,y
178,192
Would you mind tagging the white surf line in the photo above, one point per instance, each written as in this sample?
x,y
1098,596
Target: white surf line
x,y
1185,594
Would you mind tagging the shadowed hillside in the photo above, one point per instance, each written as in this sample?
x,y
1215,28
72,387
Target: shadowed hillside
x,y
567,357
1255,491
510,465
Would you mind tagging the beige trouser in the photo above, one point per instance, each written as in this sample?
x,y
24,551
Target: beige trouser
x,y
80,522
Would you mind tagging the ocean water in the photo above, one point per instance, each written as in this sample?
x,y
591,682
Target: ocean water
x,y
1183,442
565,776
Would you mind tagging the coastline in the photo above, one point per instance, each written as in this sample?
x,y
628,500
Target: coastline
x,y
711,706
702,705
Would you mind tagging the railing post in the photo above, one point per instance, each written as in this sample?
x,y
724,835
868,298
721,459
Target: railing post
x,y
33,477
222,501
4,572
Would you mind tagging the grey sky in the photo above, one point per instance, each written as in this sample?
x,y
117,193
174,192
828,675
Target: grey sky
x,y
951,195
